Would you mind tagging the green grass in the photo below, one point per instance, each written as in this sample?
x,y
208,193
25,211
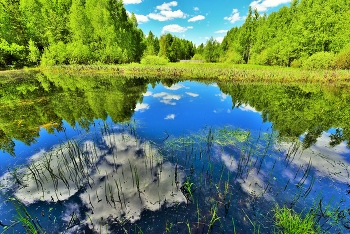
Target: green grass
x,y
220,72
289,222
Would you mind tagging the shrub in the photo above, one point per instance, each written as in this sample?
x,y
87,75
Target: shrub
x,y
11,54
79,53
319,60
342,59
55,54
233,57
154,60
197,57
34,53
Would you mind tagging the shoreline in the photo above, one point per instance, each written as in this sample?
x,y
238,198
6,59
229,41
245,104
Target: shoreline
x,y
211,71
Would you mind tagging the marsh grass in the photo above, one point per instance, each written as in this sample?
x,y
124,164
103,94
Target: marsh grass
x,y
288,221
218,71
24,219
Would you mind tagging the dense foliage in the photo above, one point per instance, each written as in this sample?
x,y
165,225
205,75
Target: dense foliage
x,y
67,31
292,34
309,34
77,32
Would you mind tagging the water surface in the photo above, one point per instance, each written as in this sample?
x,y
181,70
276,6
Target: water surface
x,y
113,154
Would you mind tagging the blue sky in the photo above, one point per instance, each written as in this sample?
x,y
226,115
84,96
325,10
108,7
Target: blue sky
x,y
196,20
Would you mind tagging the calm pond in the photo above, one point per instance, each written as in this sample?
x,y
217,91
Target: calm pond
x,y
105,154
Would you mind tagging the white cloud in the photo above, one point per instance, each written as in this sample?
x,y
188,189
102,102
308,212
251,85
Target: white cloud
x,y
327,161
158,17
229,161
126,2
141,107
173,14
166,6
196,8
148,93
175,28
196,18
192,94
248,108
221,31
176,86
234,17
263,5
167,96
156,181
189,27
141,18
171,116
166,12
168,102
222,96
167,15
219,39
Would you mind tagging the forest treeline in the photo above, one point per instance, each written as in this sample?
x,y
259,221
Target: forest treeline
x,y
308,33
311,33
78,32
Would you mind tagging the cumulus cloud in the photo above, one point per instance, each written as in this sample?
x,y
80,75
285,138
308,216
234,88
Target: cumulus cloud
x,y
166,12
126,2
229,161
327,162
175,28
168,102
263,5
167,15
196,18
141,18
247,107
148,93
221,31
117,166
167,98
141,107
219,39
167,6
192,94
176,86
196,8
234,17
222,96
171,116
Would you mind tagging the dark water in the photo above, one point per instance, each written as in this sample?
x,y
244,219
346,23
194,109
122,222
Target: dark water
x,y
129,155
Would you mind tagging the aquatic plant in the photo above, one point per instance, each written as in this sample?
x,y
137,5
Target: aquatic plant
x,y
289,222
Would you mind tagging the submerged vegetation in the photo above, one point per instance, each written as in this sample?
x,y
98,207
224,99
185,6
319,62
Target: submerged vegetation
x,y
216,180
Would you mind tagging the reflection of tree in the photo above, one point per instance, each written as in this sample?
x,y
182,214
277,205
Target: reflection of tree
x,y
44,100
295,110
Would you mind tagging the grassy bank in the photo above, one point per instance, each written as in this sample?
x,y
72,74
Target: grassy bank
x,y
220,71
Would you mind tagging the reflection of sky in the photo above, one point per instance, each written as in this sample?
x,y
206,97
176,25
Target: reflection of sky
x,y
327,162
156,181
195,106
247,107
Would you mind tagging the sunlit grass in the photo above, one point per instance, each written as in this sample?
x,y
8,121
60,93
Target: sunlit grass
x,y
219,72
289,222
